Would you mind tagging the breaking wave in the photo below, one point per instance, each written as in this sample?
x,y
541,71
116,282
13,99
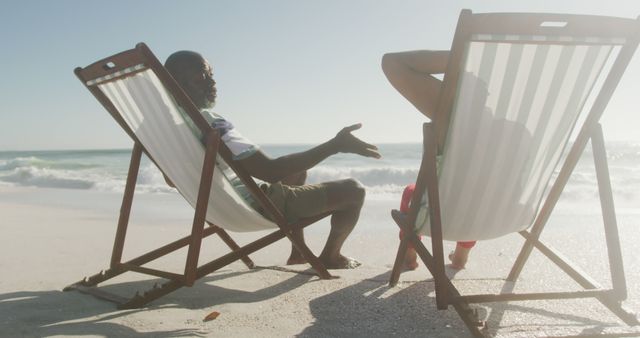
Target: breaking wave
x,y
384,179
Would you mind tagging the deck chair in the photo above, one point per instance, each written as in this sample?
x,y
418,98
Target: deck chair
x,y
165,125
515,89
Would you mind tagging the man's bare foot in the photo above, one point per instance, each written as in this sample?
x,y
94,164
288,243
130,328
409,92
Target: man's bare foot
x,y
411,259
341,262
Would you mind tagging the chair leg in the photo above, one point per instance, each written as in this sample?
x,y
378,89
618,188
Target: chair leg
x,y
224,236
202,203
443,285
399,263
405,231
462,308
608,215
431,173
524,254
314,261
125,209
439,276
470,319
304,250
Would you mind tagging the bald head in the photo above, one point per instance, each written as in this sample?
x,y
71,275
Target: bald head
x,y
183,63
194,74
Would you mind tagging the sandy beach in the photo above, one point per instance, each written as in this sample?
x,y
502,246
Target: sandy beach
x,y
53,237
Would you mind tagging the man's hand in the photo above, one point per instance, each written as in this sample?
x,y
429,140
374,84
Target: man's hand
x,y
345,142
260,166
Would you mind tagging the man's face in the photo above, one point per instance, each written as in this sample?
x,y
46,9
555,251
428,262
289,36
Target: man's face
x,y
202,85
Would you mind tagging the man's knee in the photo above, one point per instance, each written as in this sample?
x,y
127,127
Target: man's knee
x,y
357,191
345,194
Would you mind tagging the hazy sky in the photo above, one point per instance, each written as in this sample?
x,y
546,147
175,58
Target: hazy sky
x,y
288,71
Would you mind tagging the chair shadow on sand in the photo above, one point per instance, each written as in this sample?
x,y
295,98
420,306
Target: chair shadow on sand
x,y
48,313
368,308
54,313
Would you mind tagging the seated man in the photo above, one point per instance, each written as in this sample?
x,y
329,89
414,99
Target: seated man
x,y
286,174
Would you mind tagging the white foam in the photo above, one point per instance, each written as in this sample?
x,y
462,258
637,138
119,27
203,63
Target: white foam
x,y
384,180
25,173
371,177
18,162
38,177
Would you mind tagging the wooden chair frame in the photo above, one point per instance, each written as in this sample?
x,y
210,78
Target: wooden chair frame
x,y
114,68
427,181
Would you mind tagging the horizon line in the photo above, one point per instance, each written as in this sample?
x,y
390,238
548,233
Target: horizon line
x,y
129,148
633,142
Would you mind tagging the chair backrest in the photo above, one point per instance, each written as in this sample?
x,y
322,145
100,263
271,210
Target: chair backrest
x,y
145,100
515,88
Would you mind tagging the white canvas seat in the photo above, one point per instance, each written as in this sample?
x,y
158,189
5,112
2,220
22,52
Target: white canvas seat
x,y
157,121
517,103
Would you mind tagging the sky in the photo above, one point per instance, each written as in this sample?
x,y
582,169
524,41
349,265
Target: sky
x,y
288,71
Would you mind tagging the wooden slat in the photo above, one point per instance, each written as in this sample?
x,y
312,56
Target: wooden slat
x,y
539,42
121,61
507,297
171,247
433,194
442,116
202,203
224,236
125,209
616,266
153,272
563,263
531,24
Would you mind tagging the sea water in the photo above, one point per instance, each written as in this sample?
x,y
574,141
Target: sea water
x,y
384,179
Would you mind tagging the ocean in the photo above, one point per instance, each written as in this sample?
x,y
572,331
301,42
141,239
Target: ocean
x,y
106,170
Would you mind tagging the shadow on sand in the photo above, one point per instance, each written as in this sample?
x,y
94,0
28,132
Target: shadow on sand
x,y
366,308
371,308
49,313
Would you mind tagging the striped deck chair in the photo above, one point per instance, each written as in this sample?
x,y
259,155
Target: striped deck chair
x,y
515,89
165,125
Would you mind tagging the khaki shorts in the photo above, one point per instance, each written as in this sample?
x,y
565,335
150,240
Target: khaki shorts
x,y
297,202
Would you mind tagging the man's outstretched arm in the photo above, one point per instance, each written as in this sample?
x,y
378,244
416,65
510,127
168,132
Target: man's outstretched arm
x,y
260,166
